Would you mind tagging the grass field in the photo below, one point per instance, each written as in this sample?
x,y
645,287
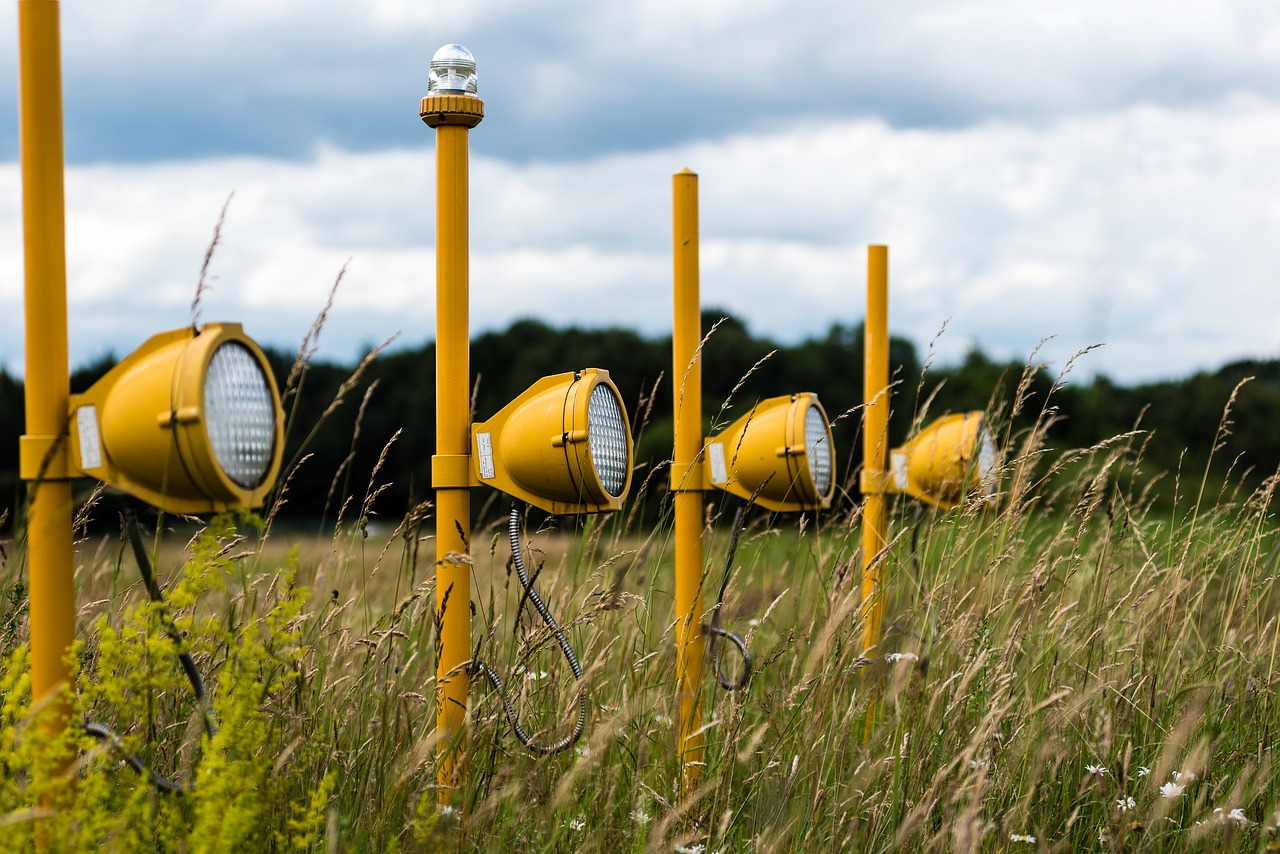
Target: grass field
x,y
1062,669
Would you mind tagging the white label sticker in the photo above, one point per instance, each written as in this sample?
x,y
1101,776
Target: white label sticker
x,y
90,439
715,452
898,465
484,449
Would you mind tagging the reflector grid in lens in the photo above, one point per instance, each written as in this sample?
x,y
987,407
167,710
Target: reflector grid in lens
x,y
817,447
239,414
607,440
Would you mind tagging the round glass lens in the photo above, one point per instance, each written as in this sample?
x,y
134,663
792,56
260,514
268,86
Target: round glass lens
x,y
607,440
817,446
987,464
453,71
240,414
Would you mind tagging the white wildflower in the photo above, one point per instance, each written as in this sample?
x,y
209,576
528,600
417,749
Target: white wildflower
x,y
1143,771
753,622
1022,837
1100,770
577,824
447,811
639,816
1237,815
662,720
892,657
1171,790
535,675
1184,777
1125,804
697,848
978,764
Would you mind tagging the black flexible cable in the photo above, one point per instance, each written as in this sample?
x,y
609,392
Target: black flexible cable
x,y
134,532
514,524
714,630
102,732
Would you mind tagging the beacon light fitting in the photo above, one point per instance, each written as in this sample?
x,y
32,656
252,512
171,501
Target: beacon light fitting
x,y
952,457
189,422
780,454
453,72
564,445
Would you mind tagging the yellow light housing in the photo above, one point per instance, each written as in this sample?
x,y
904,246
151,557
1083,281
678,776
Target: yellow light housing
x,y
780,453
564,445
189,422
949,459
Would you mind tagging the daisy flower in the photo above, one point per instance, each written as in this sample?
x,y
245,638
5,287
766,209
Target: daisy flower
x,y
1171,790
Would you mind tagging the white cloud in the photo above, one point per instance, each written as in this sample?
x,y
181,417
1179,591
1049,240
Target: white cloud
x,y
1145,228
572,79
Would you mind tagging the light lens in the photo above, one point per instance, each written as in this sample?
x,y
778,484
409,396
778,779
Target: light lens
x,y
239,414
817,447
453,72
607,439
986,463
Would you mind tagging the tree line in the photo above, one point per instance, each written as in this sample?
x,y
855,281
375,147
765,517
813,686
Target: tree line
x,y
381,433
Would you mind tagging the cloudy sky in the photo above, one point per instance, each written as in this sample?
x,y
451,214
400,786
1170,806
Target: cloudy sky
x,y
1098,172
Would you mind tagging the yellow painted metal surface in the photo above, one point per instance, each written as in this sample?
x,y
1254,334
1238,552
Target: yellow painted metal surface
x,y
875,449
537,447
49,541
687,390
452,117
943,463
143,427
764,456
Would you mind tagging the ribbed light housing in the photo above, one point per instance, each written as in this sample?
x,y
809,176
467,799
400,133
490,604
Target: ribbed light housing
x,y
239,414
607,439
818,449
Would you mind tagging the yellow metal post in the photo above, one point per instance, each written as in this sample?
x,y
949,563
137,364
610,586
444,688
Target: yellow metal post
x,y
686,479
875,450
452,117
43,448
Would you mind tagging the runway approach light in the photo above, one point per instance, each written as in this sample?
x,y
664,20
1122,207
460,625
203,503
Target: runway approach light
x,y
189,422
780,453
564,445
946,461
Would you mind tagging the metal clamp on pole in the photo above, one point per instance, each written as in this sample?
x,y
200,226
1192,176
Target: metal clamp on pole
x,y
689,477
452,471
43,458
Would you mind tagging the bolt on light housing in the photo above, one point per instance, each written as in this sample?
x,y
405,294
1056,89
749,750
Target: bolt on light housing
x,y
453,72
189,422
564,445
780,453
951,458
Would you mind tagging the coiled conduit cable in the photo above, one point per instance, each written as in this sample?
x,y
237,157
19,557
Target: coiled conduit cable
x,y
514,525
715,631
102,732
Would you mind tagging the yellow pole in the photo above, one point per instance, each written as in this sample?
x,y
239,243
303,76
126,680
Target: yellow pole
x,y
875,450
686,479
43,449
452,117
